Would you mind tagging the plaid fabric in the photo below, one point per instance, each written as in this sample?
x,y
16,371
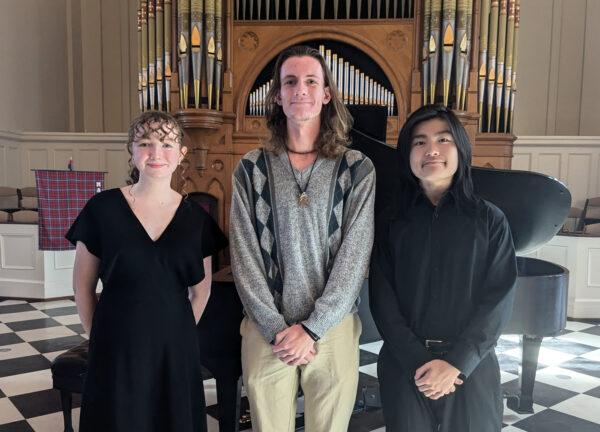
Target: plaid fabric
x,y
61,196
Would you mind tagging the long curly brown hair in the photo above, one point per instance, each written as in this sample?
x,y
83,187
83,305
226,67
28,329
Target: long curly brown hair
x,y
336,121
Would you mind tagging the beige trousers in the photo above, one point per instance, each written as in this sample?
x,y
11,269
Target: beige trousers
x,y
329,382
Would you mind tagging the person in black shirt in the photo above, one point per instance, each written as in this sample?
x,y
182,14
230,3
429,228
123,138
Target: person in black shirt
x,y
442,281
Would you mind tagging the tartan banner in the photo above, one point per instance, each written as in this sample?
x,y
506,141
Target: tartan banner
x,y
61,196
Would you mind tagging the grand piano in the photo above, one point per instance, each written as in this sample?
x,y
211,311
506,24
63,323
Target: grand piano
x,y
536,207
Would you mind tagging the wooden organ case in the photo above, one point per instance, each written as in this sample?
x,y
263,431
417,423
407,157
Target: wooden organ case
x,y
209,63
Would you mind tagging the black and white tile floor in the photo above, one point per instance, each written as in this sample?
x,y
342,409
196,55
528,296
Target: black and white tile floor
x,y
567,391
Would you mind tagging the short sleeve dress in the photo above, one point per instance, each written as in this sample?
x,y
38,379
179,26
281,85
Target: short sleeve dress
x,y
144,370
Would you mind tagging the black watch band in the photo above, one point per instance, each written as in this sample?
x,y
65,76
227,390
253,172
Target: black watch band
x,y
309,332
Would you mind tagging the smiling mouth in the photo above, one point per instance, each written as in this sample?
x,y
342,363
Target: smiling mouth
x,y
434,163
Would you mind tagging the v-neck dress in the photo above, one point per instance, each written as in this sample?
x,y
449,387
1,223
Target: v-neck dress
x,y
144,370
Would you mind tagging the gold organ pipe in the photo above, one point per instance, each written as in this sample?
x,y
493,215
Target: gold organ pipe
x,y
168,72
492,50
151,52
145,53
160,51
500,61
183,18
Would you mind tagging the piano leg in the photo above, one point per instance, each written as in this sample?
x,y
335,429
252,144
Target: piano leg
x,y
228,399
530,349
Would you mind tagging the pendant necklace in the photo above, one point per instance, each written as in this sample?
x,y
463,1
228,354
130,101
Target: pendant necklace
x,y
302,196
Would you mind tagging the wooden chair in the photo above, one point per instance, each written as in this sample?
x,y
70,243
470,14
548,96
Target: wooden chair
x,y
573,220
591,212
592,229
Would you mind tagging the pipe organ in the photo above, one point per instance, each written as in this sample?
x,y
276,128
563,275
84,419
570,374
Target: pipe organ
x,y
446,50
257,10
209,62
199,53
498,64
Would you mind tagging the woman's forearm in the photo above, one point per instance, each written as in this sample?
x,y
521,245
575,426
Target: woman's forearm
x,y
199,301
200,292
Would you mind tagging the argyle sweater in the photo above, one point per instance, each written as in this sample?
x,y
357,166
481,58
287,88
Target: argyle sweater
x,y
301,264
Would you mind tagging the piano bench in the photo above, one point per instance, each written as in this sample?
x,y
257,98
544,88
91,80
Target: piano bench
x,y
68,374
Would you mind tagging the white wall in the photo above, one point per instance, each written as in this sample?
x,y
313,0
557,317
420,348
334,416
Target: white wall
x,y
33,65
68,65
558,68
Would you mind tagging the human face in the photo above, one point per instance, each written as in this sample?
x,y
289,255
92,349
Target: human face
x,y
156,150
433,154
303,92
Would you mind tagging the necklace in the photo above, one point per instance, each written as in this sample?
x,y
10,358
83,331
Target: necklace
x,y
160,203
302,196
302,152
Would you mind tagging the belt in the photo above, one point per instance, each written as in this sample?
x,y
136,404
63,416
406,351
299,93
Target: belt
x,y
437,345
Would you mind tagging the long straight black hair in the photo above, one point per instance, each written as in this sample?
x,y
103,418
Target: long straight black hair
x,y
409,186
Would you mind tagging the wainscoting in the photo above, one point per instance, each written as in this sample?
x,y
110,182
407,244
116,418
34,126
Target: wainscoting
x,y
581,256
571,159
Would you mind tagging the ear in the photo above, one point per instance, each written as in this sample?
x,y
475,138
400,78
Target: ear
x,y
326,96
184,151
278,99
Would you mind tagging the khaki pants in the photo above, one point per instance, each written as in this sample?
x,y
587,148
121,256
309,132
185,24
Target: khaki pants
x,y
329,382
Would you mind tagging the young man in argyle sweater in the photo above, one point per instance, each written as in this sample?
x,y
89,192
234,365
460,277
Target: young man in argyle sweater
x,y
301,231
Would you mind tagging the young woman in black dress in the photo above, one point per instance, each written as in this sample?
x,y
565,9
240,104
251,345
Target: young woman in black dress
x,y
152,249
441,286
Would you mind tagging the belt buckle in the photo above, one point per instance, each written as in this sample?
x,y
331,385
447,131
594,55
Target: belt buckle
x,y
429,342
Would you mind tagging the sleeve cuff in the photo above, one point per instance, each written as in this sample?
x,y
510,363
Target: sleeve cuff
x,y
463,358
269,330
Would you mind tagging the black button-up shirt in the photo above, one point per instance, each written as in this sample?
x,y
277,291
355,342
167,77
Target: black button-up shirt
x,y
443,273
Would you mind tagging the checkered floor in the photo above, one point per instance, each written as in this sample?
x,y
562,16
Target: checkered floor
x,y
567,391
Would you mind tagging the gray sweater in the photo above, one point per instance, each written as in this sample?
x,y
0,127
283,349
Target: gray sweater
x,y
301,264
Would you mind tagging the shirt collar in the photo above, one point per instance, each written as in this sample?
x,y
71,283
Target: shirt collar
x,y
448,199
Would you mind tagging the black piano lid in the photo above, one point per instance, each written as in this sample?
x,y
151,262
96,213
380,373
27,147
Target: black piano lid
x,y
536,205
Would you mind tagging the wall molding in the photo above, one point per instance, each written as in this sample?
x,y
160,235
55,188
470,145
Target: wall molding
x,y
557,141
63,137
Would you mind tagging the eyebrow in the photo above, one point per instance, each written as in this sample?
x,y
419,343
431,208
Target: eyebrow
x,y
295,76
435,134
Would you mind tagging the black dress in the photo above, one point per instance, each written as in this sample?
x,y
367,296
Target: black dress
x,y
144,370
442,273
